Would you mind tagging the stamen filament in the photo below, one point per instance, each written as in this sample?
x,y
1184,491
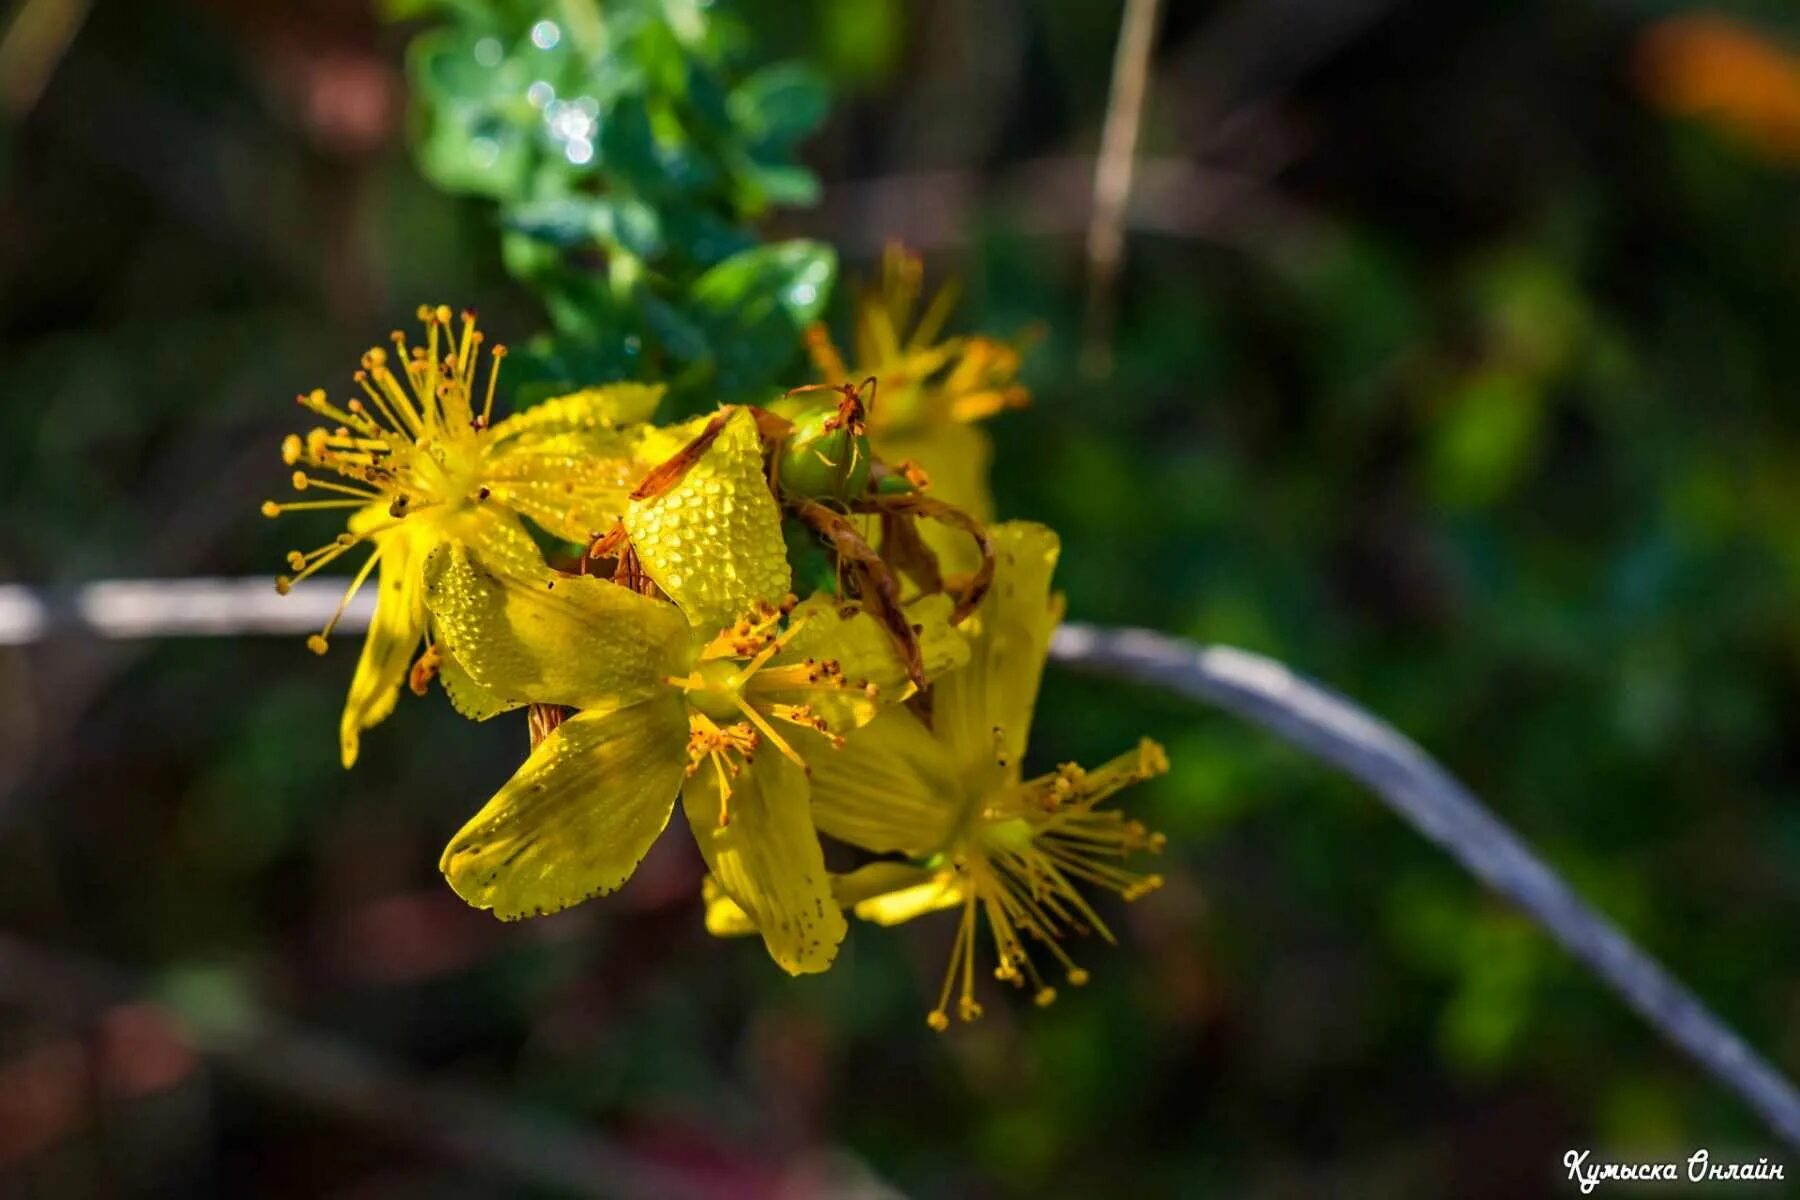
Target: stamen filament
x,y
768,731
362,574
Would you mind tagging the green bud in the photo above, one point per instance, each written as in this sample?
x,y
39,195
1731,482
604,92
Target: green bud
x,y
827,456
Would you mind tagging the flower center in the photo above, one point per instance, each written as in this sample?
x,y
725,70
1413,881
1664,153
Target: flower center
x,y
717,684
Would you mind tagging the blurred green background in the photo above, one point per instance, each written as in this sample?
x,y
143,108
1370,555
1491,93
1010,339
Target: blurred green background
x,y
1453,366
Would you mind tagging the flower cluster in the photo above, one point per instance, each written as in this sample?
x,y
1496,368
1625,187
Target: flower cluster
x,y
665,653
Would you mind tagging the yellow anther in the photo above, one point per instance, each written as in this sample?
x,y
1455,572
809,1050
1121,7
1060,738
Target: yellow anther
x,y
271,509
291,449
317,643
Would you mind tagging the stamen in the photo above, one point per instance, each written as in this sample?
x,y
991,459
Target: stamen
x,y
487,407
324,635
302,481
768,731
405,428
939,1017
387,387
316,401
272,509
773,648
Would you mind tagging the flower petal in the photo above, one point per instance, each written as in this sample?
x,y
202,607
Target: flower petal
x,y
394,635
984,710
768,859
897,893
871,884
578,817
498,536
725,917
550,638
956,458
712,540
466,696
609,406
892,787
574,485
864,654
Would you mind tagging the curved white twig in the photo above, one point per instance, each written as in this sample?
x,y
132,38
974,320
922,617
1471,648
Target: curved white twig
x,y
1407,780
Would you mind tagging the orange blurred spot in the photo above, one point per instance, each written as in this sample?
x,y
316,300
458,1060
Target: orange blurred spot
x,y
42,1097
405,938
141,1051
1717,70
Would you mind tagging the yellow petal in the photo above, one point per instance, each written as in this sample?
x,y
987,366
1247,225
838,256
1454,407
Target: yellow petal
x,y
550,638
874,882
878,879
864,654
497,536
892,787
984,710
768,859
574,485
466,696
712,540
610,406
395,632
956,457
570,463
912,892
578,817
725,917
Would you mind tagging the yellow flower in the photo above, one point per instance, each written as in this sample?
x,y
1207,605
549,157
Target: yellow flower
x,y
930,391
951,797
417,463
708,697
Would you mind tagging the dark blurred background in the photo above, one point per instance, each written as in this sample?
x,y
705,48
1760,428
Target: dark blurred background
x,y
1453,364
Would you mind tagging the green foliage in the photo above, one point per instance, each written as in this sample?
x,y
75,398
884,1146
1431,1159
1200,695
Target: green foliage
x,y
628,150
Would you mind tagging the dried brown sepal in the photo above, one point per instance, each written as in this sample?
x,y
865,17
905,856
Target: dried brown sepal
x,y
874,580
671,472
907,552
610,544
542,720
970,590
628,570
771,427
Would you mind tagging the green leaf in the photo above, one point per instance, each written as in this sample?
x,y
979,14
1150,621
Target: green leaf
x,y
700,236
565,221
781,104
628,146
755,306
679,336
786,185
618,222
